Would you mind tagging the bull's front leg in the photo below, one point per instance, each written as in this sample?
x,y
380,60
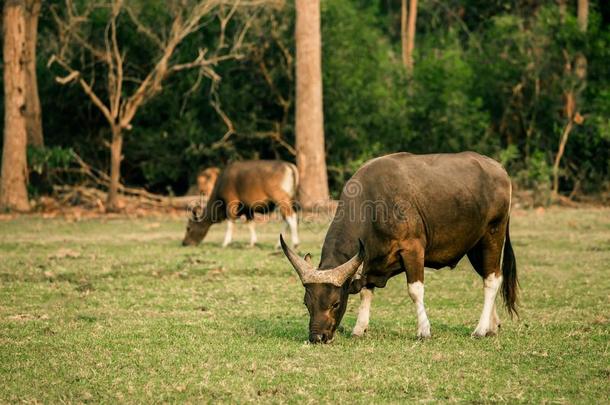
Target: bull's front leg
x,y
362,324
412,259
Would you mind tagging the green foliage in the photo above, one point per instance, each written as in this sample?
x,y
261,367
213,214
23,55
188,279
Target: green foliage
x,y
489,77
443,101
41,160
47,165
365,99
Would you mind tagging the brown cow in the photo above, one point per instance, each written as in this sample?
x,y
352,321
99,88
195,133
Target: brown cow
x,y
411,211
243,189
206,179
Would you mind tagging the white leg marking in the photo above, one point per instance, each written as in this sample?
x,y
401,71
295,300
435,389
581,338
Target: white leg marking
x,y
490,289
416,292
229,234
362,324
494,322
252,227
292,223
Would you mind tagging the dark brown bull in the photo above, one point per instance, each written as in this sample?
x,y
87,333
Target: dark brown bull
x,y
410,212
243,189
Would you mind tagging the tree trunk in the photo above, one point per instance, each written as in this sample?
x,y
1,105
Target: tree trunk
x,y
403,32
578,70
33,111
116,147
583,14
411,35
562,146
311,161
13,191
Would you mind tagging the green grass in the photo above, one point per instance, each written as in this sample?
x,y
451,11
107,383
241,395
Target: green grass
x,y
116,310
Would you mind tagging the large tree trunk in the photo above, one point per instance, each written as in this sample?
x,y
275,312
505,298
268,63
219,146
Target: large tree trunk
x,y
311,160
13,191
116,148
33,111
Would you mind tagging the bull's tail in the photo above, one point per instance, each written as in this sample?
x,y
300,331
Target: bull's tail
x,y
510,284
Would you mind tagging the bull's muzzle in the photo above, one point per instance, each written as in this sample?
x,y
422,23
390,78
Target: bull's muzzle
x,y
320,338
188,242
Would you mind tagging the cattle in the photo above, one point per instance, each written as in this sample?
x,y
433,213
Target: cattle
x,y
243,189
400,213
206,179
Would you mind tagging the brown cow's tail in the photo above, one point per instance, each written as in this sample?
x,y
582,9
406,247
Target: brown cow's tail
x,y
510,283
295,176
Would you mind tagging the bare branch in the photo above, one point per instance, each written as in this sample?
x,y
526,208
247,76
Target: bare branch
x,y
67,79
230,127
73,74
144,29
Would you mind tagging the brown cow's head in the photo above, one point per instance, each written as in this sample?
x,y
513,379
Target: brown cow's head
x,y
206,180
326,292
196,228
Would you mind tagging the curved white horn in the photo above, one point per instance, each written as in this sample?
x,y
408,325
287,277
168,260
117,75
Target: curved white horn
x,y
302,266
336,276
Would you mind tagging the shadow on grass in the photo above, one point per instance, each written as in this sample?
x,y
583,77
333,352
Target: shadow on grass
x,y
295,330
291,329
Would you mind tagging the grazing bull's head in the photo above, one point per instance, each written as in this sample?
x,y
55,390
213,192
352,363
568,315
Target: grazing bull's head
x,y
196,228
326,292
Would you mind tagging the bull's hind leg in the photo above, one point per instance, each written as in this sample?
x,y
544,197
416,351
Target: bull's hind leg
x,y
485,258
229,233
412,257
362,324
252,227
290,218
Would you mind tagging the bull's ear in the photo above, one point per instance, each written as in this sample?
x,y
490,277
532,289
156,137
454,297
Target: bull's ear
x,y
346,271
361,251
308,258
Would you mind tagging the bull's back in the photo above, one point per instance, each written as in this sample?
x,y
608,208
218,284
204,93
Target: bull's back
x,y
447,200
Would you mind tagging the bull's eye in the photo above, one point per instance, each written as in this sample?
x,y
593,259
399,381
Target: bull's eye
x,y
335,305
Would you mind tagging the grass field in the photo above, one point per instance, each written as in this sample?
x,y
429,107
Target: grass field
x,y
117,310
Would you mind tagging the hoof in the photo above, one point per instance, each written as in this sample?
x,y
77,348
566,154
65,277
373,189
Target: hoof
x,y
483,333
359,332
424,333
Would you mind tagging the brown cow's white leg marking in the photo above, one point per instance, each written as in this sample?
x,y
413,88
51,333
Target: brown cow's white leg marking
x,y
490,289
229,234
293,224
362,324
416,292
252,227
